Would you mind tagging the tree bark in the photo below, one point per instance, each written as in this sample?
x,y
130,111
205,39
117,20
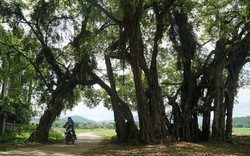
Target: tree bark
x,y
53,110
124,121
231,88
206,117
121,112
218,133
132,27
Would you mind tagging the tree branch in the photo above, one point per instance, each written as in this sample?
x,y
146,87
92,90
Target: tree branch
x,y
110,15
30,61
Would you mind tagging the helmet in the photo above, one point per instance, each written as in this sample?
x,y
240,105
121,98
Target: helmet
x,y
69,119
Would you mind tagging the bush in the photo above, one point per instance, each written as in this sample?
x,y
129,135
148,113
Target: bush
x,y
28,128
114,139
19,138
55,136
15,138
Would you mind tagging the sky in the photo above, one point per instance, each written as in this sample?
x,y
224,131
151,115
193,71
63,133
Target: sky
x,y
242,108
100,113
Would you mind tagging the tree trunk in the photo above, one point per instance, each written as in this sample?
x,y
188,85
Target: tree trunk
x,y
206,118
54,108
229,100
231,86
189,103
132,28
3,124
156,106
145,122
124,121
218,132
41,133
125,125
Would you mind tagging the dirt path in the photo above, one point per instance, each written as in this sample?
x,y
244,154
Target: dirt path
x,y
84,142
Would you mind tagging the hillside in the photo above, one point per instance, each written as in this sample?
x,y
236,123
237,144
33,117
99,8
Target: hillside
x,y
78,118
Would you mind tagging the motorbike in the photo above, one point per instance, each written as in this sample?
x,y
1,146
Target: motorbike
x,y
69,136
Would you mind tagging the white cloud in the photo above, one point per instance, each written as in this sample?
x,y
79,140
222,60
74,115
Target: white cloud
x,y
242,108
99,113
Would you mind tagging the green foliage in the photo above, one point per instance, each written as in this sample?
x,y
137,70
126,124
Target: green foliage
x,y
17,138
114,139
20,137
91,97
74,30
107,133
241,122
14,138
16,77
55,136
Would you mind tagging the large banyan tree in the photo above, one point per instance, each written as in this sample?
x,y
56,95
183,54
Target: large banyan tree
x,y
186,55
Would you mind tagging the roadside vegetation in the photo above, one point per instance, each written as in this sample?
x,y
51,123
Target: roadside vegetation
x,y
241,131
18,139
239,146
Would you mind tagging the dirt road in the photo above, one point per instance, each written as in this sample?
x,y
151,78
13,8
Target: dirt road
x,y
84,142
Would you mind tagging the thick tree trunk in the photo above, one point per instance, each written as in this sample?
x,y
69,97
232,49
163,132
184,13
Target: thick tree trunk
x,y
189,102
206,118
218,131
156,106
176,115
54,108
231,86
145,122
125,125
41,133
229,100
185,44
124,121
132,27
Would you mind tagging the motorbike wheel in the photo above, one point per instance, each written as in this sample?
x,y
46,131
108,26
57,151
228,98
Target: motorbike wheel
x,y
67,139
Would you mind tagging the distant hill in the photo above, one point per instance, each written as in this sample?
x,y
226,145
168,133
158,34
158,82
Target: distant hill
x,y
77,118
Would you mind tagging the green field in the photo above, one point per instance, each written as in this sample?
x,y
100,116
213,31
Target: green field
x,y
101,132
241,131
111,132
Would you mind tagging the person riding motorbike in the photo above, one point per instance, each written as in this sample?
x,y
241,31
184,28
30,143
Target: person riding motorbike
x,y
70,124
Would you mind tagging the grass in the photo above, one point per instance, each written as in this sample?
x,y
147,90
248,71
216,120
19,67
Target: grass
x,y
241,131
19,138
55,136
100,132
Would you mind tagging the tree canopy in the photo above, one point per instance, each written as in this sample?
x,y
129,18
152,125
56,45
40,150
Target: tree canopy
x,y
145,55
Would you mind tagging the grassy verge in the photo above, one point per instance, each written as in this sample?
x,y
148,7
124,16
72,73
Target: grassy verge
x,y
100,132
19,138
241,131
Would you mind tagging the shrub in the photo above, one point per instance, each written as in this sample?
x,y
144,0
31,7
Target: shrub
x,y
55,136
114,139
